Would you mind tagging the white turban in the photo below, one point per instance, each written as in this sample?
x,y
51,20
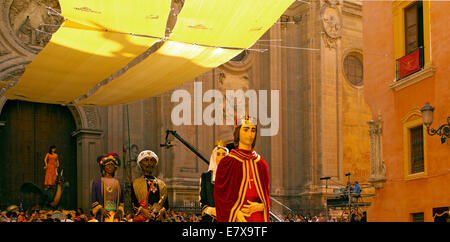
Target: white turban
x,y
145,154
212,162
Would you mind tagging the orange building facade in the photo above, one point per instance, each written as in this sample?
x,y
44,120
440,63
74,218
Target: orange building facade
x,y
414,184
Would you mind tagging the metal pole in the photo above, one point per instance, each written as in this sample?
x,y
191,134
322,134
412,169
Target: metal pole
x,y
129,158
326,197
129,144
174,133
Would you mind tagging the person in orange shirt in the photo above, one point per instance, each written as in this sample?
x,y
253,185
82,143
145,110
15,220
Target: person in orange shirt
x,y
51,167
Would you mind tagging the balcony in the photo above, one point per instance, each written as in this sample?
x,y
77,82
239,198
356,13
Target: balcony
x,y
409,64
410,69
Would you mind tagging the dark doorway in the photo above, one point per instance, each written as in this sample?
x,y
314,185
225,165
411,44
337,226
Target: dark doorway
x,y
29,130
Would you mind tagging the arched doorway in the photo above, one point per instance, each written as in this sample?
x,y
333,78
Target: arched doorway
x,y
28,131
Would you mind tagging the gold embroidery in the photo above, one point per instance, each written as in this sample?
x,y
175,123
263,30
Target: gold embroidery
x,y
140,188
259,189
109,189
242,190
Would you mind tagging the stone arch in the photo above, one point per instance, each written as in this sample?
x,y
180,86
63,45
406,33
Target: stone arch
x,y
86,118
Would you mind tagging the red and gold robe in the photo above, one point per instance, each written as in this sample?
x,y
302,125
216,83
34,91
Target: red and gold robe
x,y
241,175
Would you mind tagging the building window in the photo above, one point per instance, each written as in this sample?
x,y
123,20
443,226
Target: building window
x,y
412,28
411,37
414,146
417,217
417,158
412,59
353,68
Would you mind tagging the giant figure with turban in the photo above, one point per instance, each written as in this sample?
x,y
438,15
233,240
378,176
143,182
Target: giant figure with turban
x,y
149,193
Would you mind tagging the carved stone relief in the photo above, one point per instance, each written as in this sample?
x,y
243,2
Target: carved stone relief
x,y
32,22
11,76
331,17
91,117
227,81
232,82
377,167
3,50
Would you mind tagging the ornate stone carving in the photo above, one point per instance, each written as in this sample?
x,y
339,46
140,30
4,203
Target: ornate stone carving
x,y
3,50
332,2
232,82
33,21
91,117
227,81
331,17
377,167
11,76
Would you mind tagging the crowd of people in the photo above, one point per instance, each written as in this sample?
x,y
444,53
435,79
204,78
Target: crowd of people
x,y
322,218
16,215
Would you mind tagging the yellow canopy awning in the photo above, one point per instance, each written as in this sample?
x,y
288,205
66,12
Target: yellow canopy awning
x,y
81,54
215,23
227,23
95,42
170,66
142,17
73,62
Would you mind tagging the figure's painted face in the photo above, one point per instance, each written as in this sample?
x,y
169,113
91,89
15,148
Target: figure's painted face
x,y
147,165
247,134
53,150
220,153
110,167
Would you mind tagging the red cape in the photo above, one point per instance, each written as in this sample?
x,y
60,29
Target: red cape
x,y
230,185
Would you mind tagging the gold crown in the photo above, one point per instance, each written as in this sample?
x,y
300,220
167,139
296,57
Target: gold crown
x,y
220,143
246,119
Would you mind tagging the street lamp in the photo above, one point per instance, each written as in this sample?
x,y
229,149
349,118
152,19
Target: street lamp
x,y
427,116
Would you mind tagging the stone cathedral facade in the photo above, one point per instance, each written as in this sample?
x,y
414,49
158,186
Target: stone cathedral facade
x,y
312,55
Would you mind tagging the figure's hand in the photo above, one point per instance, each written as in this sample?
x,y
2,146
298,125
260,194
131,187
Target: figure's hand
x,y
45,167
160,214
213,212
240,216
252,207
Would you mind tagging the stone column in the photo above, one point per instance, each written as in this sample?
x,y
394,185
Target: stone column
x,y
377,168
276,83
88,148
331,98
